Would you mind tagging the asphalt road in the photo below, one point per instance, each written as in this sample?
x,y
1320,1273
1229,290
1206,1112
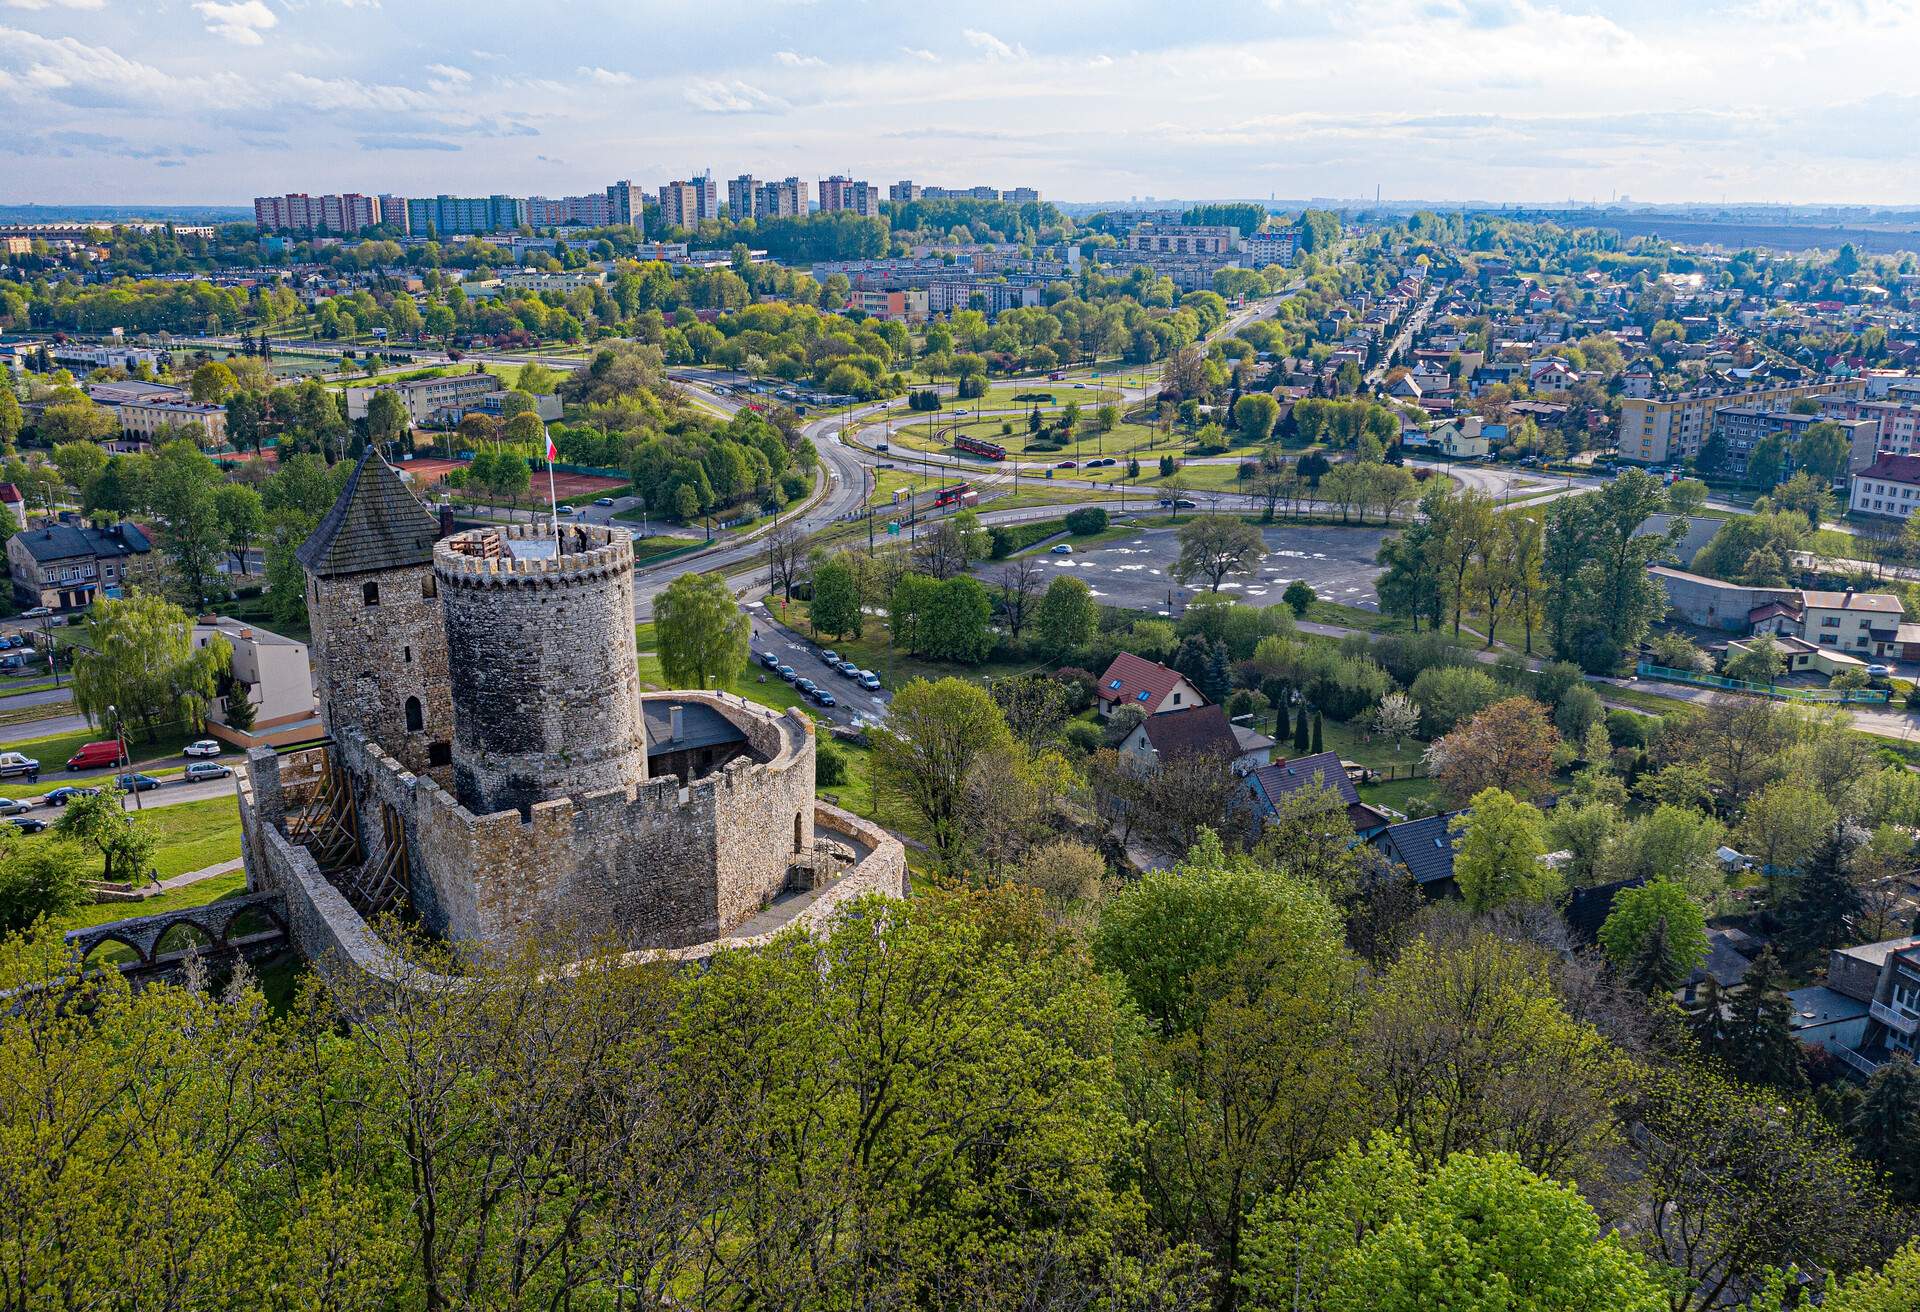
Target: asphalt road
x,y
1137,572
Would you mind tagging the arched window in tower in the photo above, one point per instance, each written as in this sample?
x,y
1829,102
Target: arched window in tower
x,y
416,720
371,594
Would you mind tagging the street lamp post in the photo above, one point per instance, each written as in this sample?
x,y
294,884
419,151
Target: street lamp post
x,y
126,758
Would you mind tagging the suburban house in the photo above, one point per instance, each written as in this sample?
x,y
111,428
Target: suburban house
x,y
1270,784
1867,625
1196,729
1136,681
1463,438
64,566
1424,849
1868,1011
278,680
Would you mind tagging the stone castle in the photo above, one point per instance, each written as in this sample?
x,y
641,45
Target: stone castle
x,y
493,768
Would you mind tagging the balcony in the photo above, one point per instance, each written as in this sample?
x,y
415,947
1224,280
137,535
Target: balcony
x,y
1893,1018
1863,1064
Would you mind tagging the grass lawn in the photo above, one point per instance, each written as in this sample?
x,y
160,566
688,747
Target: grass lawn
x,y
1352,617
197,894
1397,793
192,836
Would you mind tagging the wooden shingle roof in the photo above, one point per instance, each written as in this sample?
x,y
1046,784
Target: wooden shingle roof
x,y
375,525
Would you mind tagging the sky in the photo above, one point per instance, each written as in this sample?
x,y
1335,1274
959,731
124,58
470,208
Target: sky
x,y
1539,101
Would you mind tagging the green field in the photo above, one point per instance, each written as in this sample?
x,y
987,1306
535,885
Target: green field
x,y
197,894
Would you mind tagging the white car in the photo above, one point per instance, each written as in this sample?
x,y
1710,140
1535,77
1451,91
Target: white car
x,y
205,747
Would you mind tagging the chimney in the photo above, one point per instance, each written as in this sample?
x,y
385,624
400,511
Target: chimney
x,y
446,521
673,724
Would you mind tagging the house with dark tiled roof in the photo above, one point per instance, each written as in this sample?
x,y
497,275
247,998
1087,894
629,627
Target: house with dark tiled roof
x,y
66,565
1136,681
1270,785
1424,849
1192,730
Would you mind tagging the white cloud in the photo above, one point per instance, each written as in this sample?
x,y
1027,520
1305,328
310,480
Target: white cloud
x,y
792,60
916,52
344,93
242,23
714,97
53,4
992,46
606,77
449,74
34,66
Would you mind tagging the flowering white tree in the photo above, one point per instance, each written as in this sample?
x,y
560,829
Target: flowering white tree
x,y
1396,717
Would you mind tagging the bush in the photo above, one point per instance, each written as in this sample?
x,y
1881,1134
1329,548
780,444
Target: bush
x,y
1298,596
1551,684
1006,539
1579,708
1082,737
795,486
1088,519
1449,694
829,764
1625,729
1408,655
1080,685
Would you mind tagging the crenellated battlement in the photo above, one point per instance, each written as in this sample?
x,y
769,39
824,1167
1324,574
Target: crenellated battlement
x,y
489,557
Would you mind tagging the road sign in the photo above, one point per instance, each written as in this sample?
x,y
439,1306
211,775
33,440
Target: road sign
x,y
893,528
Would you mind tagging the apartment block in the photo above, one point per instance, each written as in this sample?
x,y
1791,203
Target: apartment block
x,y
685,204
1740,427
1654,430
908,304
393,212
426,399
144,419
740,194
465,215
838,193
1264,248
785,199
298,212
1889,487
1183,239
595,210
904,192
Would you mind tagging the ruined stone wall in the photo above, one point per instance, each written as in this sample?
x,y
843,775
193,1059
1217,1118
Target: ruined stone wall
x,y
544,672
372,659
763,814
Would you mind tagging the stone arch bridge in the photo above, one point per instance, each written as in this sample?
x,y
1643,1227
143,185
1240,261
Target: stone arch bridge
x,y
232,926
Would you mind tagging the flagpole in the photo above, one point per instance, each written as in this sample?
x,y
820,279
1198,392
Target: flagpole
x,y
553,502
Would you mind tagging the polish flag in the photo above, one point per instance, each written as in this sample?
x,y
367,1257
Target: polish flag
x,y
553,452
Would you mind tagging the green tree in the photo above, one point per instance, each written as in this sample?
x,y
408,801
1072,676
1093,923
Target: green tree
x,y
11,420
180,488
701,631
102,823
1886,1128
1821,908
935,734
1655,935
1255,416
1497,859
1605,601
81,464
76,421
1473,1234
389,426
37,880
1067,616
836,606
212,383
138,655
1299,597
1760,662
242,517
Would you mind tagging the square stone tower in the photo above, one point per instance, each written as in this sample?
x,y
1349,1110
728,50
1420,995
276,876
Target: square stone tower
x,y
379,633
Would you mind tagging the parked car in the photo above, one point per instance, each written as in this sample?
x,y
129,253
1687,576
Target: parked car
x,y
786,672
849,670
27,824
61,796
769,660
13,806
603,501
200,770
205,747
870,681
17,763
807,686
568,510
832,658
822,697
135,783
98,756
1062,549
14,662
1880,671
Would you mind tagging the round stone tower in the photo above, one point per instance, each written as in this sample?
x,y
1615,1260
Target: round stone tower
x,y
540,653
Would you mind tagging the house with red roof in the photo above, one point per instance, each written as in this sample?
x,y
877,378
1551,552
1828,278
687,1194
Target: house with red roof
x,y
1136,681
16,505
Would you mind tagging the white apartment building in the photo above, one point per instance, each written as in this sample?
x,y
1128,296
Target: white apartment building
x,y
1889,487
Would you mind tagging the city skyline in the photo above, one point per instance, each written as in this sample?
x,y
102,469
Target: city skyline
x,y
1502,100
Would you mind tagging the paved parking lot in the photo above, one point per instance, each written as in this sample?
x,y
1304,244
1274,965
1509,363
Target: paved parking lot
x,y
1136,572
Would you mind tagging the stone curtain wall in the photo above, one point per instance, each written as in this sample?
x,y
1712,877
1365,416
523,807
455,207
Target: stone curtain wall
x,y
371,659
544,670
